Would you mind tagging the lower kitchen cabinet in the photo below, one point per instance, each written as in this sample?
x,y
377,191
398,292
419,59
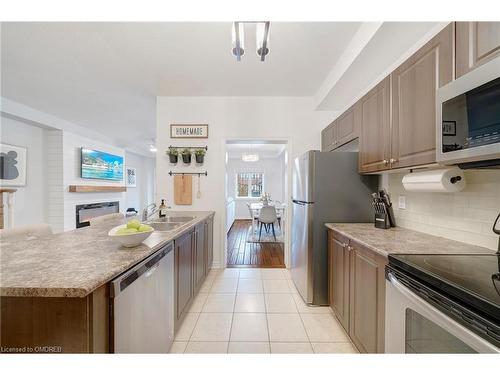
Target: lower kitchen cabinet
x,y
338,285
209,237
367,299
200,256
183,274
193,260
357,291
56,324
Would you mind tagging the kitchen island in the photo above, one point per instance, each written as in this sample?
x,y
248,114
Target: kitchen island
x,y
55,293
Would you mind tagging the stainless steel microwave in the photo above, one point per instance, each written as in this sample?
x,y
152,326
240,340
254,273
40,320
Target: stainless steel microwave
x,y
468,119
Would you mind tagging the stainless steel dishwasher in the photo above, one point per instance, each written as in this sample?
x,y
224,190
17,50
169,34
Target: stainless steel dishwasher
x,y
142,305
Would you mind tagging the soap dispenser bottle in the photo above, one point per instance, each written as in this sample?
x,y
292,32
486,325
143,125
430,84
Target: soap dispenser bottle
x,y
163,209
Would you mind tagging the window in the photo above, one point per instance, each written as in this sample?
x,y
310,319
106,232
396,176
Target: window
x,y
249,184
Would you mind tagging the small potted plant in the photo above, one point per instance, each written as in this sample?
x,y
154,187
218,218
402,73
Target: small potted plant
x,y
173,155
186,156
200,155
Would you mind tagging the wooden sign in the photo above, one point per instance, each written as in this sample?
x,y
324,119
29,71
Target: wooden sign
x,y
189,131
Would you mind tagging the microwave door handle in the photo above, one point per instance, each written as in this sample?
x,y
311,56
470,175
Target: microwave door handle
x,y
437,317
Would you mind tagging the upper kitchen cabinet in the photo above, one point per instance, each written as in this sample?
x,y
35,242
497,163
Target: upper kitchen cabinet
x,y
414,85
347,125
328,137
374,145
476,43
343,130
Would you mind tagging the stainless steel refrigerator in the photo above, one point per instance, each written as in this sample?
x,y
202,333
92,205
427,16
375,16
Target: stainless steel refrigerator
x,y
326,187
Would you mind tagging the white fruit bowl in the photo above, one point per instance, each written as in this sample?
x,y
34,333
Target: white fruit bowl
x,y
129,240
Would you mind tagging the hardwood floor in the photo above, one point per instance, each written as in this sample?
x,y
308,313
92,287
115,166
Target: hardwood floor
x,y
246,254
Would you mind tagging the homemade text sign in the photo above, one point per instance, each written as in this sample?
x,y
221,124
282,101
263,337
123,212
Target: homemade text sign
x,y
189,131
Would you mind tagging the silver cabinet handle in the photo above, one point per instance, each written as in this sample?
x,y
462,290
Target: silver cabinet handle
x,y
393,161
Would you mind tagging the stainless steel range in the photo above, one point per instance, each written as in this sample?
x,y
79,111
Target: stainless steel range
x,y
443,304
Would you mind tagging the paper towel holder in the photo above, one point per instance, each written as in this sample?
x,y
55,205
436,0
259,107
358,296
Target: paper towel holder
x,y
442,180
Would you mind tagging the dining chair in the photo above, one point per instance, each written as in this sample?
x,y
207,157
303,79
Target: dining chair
x,y
254,216
267,217
279,212
106,219
27,232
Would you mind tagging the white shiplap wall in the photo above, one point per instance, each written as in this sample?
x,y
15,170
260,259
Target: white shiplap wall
x,y
466,216
55,189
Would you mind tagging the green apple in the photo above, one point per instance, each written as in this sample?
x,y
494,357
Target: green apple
x,y
125,231
144,228
134,224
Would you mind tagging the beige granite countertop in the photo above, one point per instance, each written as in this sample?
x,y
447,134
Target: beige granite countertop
x,y
75,263
402,241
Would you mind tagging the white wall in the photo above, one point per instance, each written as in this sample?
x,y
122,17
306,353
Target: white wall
x,y
466,216
289,118
29,201
144,194
273,169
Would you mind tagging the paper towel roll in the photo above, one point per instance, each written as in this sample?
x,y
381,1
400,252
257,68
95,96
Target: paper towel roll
x,y
449,180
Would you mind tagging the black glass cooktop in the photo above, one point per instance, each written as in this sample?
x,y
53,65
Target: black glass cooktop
x,y
474,280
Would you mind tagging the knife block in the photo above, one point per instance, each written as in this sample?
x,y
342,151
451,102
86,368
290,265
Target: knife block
x,y
382,220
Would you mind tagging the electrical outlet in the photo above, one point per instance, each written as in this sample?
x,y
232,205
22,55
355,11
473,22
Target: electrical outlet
x,y
402,202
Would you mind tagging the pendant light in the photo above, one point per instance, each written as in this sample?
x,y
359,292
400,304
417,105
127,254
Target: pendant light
x,y
238,40
262,38
250,156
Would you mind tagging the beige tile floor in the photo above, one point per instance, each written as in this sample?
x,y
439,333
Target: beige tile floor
x,y
252,310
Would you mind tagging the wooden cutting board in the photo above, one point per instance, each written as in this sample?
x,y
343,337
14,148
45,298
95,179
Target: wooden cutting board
x,y
183,189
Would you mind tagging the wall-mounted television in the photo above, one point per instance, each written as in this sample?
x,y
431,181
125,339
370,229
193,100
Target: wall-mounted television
x,y
101,165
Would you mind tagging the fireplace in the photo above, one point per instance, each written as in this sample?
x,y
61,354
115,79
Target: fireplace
x,y
85,212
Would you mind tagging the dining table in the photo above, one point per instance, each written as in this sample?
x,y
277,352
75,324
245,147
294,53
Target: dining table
x,y
257,206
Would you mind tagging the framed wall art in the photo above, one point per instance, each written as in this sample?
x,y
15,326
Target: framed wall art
x,y
131,177
188,130
13,160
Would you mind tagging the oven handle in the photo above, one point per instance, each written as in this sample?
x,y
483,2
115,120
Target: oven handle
x,y
401,289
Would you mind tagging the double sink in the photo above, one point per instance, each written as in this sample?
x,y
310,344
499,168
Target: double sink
x,y
169,223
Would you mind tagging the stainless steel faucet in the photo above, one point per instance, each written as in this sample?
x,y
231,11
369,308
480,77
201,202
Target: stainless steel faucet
x,y
149,211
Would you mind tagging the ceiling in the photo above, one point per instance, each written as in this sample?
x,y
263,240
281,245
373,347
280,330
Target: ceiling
x,y
105,76
265,151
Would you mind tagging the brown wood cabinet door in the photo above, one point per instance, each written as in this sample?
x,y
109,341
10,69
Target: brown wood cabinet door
x,y
374,148
209,228
367,299
328,137
347,125
476,43
199,256
414,85
324,139
338,275
184,274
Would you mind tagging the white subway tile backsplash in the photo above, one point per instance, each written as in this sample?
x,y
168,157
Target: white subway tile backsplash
x,y
466,216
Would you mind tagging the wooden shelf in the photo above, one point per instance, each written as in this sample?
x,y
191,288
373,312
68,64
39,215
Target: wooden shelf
x,y
96,189
5,190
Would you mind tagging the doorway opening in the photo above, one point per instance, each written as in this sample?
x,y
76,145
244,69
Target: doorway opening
x,y
256,186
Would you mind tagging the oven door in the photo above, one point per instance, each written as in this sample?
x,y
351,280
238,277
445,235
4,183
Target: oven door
x,y
412,325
